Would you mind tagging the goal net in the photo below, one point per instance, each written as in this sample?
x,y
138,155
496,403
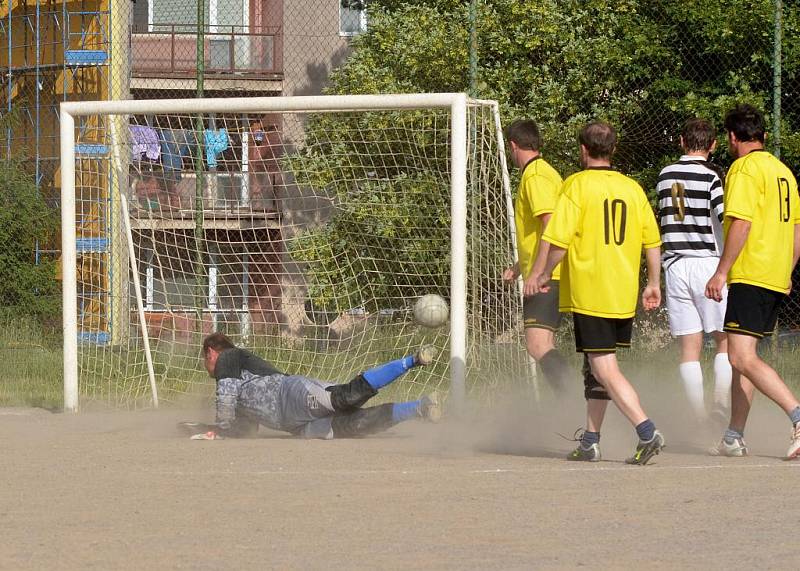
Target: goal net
x,y
303,228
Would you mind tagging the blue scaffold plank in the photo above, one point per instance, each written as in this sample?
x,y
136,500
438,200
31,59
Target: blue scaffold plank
x,y
91,245
92,149
94,337
85,57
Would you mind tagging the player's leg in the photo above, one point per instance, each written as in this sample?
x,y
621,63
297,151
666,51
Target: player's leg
x,y
742,351
685,324
600,338
752,313
691,371
588,450
732,442
541,318
723,376
365,421
606,370
712,315
353,395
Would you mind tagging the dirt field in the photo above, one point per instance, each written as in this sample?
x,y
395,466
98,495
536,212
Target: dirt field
x,y
125,490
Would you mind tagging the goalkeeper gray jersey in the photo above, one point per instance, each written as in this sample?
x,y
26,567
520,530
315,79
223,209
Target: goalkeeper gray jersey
x,y
249,387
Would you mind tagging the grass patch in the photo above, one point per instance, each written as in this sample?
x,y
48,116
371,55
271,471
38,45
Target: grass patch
x,y
117,376
34,364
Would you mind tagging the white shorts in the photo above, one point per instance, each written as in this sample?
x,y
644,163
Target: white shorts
x,y
688,309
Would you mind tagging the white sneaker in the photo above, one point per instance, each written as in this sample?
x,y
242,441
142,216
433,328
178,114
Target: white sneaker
x,y
736,449
794,447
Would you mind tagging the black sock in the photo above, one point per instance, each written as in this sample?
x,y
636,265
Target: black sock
x,y
556,370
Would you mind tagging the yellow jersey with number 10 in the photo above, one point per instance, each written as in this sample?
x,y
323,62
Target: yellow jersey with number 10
x,y
603,219
537,194
763,191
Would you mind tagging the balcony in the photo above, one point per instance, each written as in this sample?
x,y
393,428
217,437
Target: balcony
x,y
168,51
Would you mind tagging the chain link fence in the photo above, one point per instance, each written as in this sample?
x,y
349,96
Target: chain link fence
x,y
644,65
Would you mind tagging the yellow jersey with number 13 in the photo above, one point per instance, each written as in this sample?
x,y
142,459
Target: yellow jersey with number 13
x,y
763,191
603,219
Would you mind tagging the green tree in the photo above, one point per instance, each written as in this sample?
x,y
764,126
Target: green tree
x,y
645,66
29,286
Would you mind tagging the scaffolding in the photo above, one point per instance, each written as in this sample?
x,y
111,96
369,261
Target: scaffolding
x,y
55,51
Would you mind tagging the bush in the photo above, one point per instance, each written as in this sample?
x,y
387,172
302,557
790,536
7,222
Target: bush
x,y
28,286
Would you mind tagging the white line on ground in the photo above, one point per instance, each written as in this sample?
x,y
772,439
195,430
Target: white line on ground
x,y
280,472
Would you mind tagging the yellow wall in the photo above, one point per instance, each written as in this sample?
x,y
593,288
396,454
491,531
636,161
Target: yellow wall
x,y
55,84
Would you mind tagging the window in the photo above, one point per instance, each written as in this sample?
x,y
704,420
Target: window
x,y
228,15
352,17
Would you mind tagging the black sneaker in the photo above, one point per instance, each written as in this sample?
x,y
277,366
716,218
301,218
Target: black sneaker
x,y
581,454
646,449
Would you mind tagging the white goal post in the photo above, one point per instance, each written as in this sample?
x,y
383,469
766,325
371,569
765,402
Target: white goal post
x,y
95,151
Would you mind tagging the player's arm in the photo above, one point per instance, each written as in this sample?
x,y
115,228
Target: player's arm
x,y
537,282
651,296
541,257
226,397
738,231
562,225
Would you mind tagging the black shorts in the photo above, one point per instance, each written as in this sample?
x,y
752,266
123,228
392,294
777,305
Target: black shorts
x,y
540,311
752,310
601,334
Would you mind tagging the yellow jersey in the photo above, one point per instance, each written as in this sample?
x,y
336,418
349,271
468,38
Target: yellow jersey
x,y
763,191
603,219
537,194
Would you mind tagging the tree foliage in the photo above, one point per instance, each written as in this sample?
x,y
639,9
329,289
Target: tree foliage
x,y
645,66
28,287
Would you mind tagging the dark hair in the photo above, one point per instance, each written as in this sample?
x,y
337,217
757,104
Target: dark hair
x,y
746,122
525,133
698,134
218,342
599,138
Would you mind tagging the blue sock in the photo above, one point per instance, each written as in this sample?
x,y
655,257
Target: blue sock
x,y
405,410
646,430
795,415
382,375
732,434
590,438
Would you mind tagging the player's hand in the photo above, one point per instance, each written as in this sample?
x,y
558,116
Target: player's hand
x,y
536,283
210,435
651,297
715,287
511,273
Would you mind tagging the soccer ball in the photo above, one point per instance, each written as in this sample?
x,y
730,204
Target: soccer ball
x,y
431,310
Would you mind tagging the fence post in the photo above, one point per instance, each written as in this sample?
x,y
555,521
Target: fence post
x,y
473,48
776,78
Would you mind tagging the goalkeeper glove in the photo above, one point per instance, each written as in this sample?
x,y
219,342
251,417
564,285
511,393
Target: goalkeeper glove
x,y
210,435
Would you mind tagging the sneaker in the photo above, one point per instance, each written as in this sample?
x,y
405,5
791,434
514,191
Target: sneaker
x,y
794,447
581,454
431,407
646,449
736,448
425,355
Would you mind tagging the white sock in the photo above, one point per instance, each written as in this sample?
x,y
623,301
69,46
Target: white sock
x,y
722,381
692,376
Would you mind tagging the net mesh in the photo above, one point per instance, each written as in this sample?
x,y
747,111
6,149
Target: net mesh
x,y
304,237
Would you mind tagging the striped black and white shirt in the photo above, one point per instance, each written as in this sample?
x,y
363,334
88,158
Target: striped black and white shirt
x,y
690,209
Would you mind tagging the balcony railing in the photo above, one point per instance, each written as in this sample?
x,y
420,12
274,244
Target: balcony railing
x,y
170,51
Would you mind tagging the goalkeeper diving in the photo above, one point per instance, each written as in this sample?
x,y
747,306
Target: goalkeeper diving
x,y
252,392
